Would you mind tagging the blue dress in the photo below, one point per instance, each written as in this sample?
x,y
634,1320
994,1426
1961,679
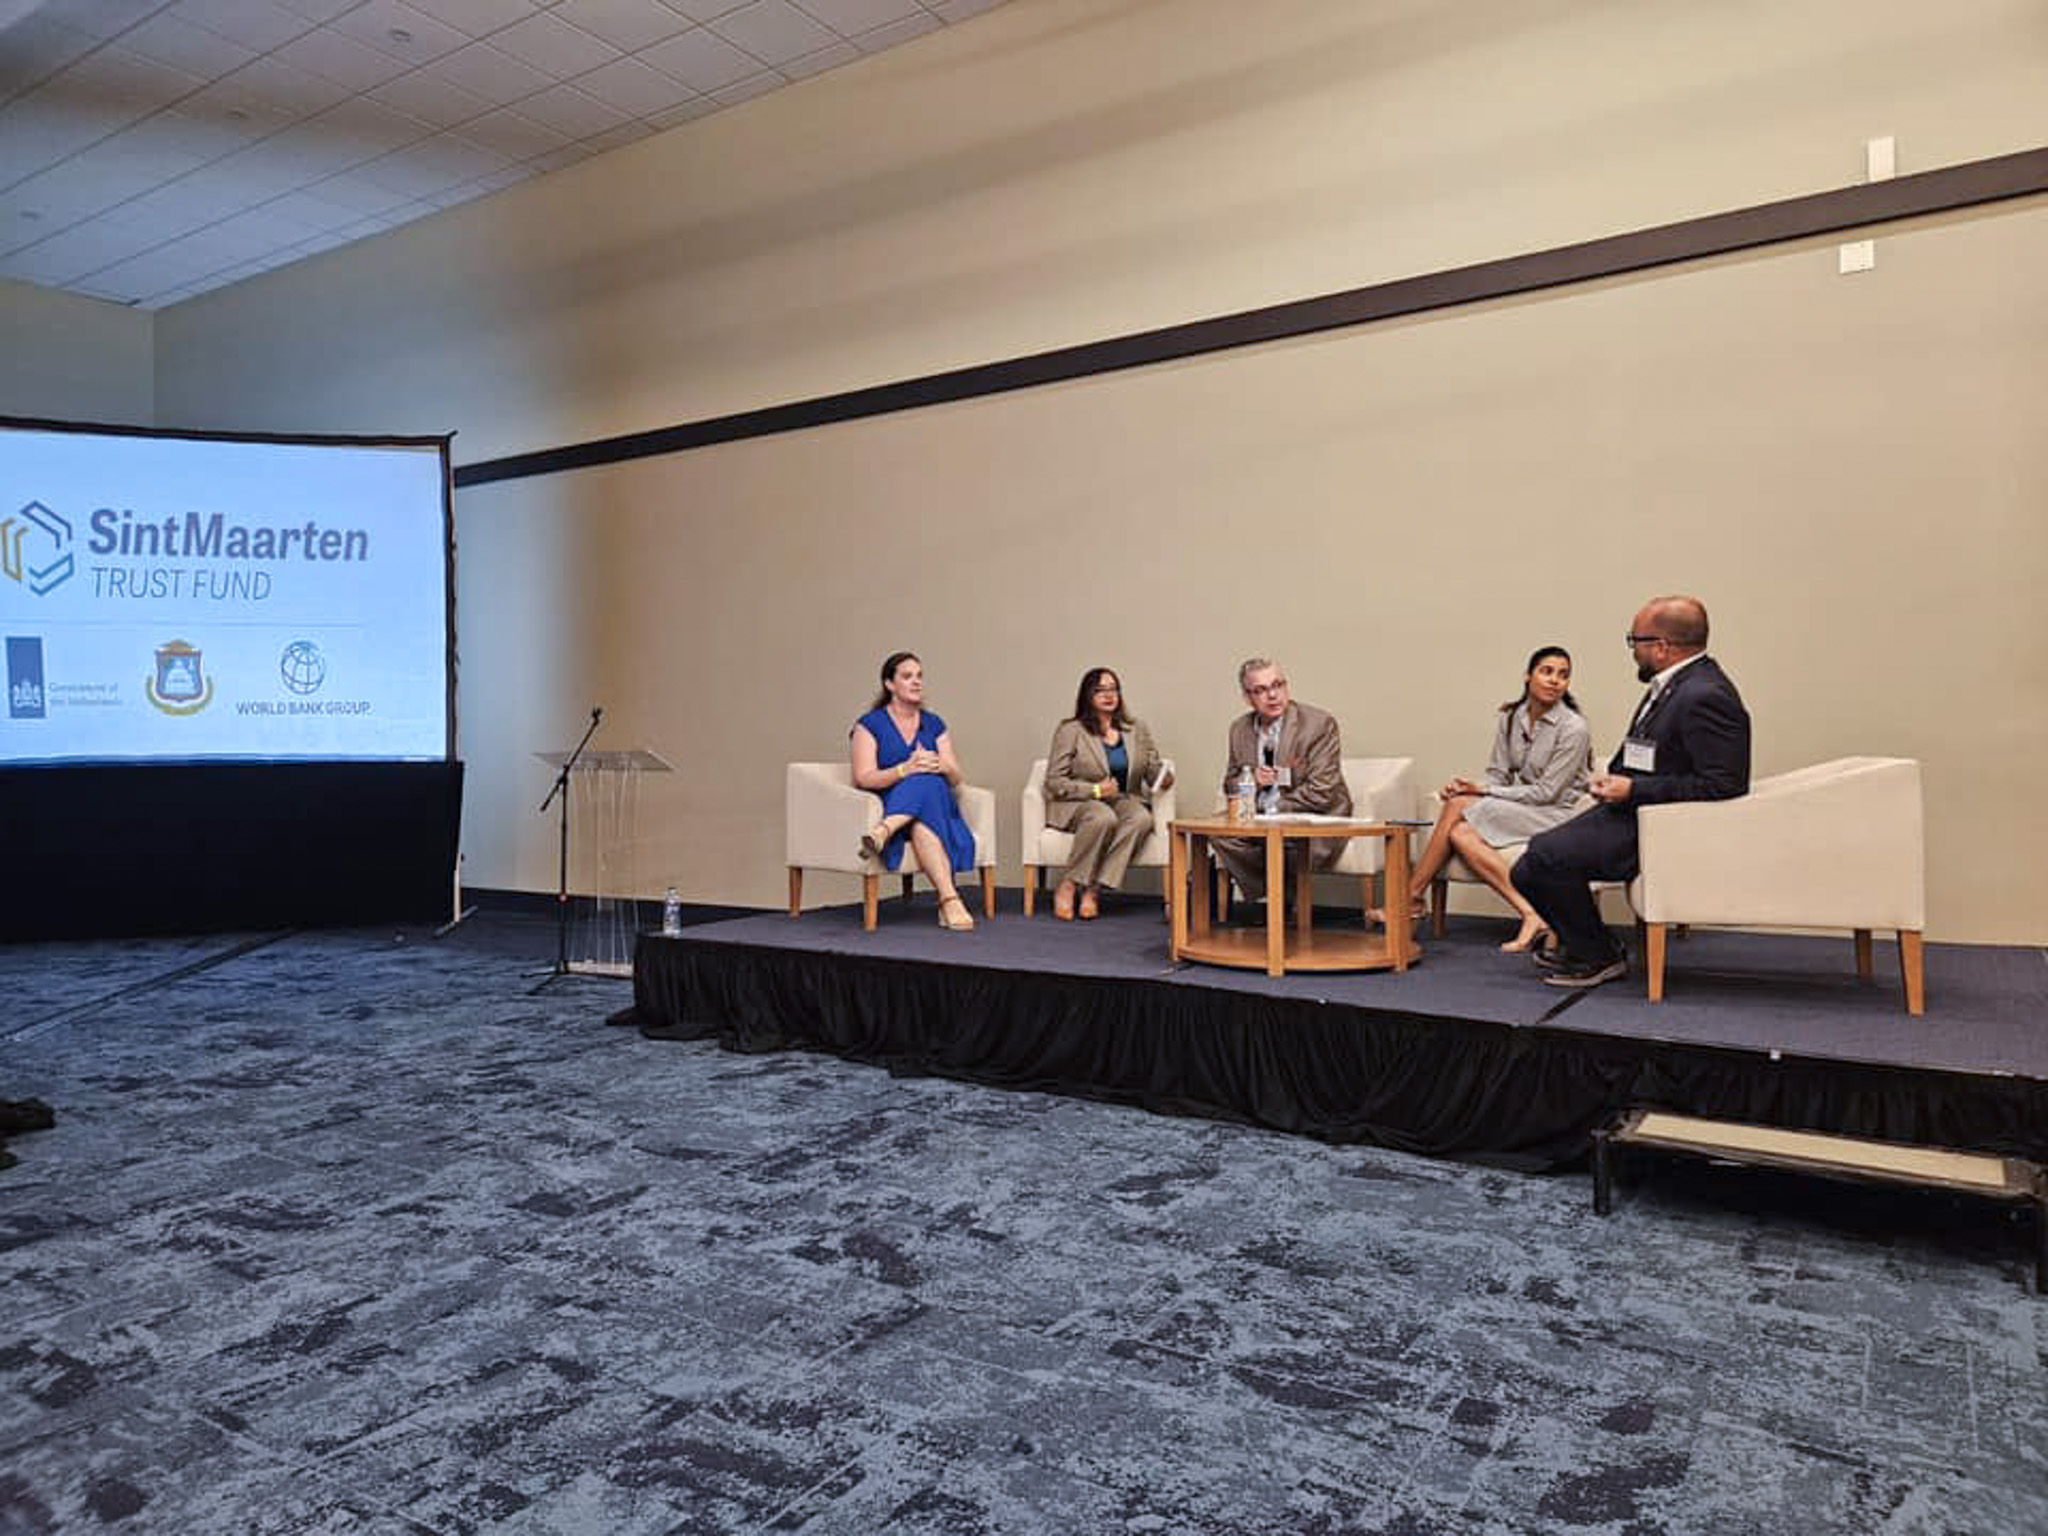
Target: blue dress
x,y
927,796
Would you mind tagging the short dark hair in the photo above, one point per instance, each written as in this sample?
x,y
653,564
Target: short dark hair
x,y
1084,697
896,659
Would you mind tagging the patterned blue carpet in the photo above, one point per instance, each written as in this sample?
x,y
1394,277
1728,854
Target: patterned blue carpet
x,y
347,1232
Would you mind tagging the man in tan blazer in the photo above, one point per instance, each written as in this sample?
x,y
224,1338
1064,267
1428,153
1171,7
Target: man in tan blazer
x,y
1297,760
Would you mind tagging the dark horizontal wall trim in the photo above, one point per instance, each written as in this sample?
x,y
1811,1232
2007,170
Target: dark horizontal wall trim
x,y
1798,218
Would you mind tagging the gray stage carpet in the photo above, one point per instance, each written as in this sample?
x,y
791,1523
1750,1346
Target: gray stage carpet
x,y
1794,993
347,1233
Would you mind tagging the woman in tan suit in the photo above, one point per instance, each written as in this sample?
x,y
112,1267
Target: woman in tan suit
x,y
1100,777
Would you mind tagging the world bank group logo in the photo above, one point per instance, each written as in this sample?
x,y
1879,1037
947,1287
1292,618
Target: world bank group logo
x,y
180,686
35,549
302,667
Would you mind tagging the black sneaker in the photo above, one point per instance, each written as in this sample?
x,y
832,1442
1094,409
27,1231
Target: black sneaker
x,y
1580,974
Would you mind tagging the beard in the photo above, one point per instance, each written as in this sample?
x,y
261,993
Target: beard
x,y
1644,671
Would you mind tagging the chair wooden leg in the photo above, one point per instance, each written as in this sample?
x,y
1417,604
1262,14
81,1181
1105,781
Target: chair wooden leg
x,y
870,901
1863,966
796,890
1034,877
1439,906
1913,962
988,890
1653,958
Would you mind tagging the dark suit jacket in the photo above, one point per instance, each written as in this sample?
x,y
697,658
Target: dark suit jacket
x,y
1702,735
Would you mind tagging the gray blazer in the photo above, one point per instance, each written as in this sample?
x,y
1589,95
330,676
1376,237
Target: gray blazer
x,y
1078,761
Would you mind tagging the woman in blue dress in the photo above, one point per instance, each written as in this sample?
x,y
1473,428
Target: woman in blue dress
x,y
902,752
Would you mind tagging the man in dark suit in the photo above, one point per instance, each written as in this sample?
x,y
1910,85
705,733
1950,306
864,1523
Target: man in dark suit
x,y
1689,740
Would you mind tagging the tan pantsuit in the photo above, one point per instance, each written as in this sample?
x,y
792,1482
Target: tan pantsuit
x,y
1106,831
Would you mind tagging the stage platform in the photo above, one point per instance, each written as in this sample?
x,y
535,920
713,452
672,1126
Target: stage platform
x,y
1466,1054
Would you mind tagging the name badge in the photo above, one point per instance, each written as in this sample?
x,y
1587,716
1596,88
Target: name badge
x,y
1638,755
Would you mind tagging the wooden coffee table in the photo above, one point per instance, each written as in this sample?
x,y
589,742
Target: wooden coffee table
x,y
1279,948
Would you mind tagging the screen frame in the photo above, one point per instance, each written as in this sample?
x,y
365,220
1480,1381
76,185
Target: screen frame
x,y
441,442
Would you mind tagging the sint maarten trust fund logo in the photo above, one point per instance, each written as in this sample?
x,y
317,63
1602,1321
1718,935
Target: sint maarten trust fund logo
x,y
35,549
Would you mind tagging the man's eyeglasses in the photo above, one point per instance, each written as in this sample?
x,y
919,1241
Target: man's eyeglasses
x,y
1260,690
1632,641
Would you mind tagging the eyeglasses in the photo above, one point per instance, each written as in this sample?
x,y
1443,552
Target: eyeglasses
x,y
1278,685
1108,691
1632,641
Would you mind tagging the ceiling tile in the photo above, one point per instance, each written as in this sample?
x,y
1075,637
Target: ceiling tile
x,y
950,11
702,60
115,75
63,259
431,100
36,47
627,24
361,198
773,31
319,10
346,135
847,17
706,10
629,132
63,197
747,89
267,92
478,17
313,214
895,32
513,135
686,112
483,71
254,24
342,59
456,159
182,45
204,130
817,63
102,18
632,87
548,43
393,27
571,111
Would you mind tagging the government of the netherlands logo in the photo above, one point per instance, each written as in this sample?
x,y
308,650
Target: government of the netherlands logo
x,y
35,548
25,677
302,667
181,686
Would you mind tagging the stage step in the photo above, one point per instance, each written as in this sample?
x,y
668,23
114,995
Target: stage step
x,y
2009,1179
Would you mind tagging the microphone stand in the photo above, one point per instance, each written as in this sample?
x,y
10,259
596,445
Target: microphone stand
x,y
561,791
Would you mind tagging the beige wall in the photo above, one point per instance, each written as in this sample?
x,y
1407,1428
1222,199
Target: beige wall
x,y
1850,470
66,358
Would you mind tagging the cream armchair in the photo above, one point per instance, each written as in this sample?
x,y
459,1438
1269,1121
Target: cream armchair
x,y
1836,845
824,817
1048,846
1382,789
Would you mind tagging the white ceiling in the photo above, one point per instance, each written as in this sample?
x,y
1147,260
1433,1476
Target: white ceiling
x,y
153,149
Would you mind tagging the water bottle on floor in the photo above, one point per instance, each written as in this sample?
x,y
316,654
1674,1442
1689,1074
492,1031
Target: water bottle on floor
x,y
672,914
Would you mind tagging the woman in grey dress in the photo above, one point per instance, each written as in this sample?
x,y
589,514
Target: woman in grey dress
x,y
1535,779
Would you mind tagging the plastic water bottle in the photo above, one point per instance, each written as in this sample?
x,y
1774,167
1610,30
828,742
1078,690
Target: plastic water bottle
x,y
672,914
1244,804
